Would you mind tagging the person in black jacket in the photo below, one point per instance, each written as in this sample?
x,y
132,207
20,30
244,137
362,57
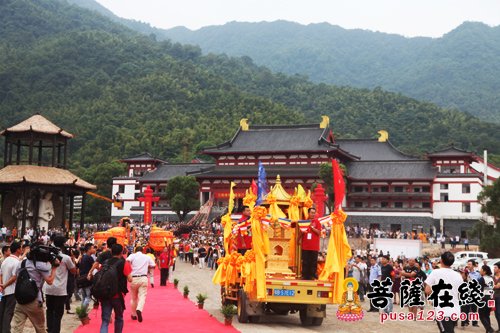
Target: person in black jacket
x,y
117,302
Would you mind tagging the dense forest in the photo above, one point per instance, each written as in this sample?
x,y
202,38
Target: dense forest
x,y
121,93
459,70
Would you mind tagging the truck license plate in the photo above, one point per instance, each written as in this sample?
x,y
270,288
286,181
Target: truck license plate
x,y
284,292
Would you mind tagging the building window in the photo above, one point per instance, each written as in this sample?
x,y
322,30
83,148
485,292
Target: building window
x,y
121,188
398,189
358,204
375,189
398,205
444,197
450,169
384,189
384,204
466,207
417,189
465,188
443,186
426,205
426,189
358,188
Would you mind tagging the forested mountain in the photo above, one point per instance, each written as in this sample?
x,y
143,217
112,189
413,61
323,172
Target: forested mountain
x,y
123,93
460,70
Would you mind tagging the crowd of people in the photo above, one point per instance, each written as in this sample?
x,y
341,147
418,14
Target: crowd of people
x,y
64,266
366,269
374,232
81,261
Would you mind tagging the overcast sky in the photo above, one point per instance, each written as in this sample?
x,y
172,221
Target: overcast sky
x,y
406,17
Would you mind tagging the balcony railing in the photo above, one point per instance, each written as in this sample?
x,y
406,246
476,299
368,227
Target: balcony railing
x,y
387,209
389,194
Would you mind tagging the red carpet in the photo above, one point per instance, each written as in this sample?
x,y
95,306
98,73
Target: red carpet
x,y
165,310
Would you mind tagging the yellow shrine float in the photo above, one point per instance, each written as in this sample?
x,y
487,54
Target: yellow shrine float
x,y
268,277
159,238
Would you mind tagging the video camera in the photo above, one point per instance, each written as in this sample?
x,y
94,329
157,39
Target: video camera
x,y
45,253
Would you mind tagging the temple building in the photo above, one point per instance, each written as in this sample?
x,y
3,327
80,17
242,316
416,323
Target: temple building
x,y
386,188
36,188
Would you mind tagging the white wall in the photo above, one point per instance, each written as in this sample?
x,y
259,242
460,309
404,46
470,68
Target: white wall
x,y
410,248
453,208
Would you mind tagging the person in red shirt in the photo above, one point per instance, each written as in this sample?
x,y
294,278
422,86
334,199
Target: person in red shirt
x,y
165,261
310,247
243,242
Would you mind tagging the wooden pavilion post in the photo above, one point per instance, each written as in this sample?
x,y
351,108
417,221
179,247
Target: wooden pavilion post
x,y
63,225
25,207
18,157
10,152
71,211
58,155
54,151
82,213
65,152
30,152
40,148
5,152
36,208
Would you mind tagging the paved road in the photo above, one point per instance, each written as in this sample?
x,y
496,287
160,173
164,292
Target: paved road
x,y
199,281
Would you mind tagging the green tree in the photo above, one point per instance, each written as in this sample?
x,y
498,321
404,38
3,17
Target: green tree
x,y
182,195
489,235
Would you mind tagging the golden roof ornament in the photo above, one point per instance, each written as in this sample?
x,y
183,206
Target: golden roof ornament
x,y
384,136
244,124
325,121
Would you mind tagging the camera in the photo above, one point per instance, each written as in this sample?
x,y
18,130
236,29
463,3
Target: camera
x,y
45,253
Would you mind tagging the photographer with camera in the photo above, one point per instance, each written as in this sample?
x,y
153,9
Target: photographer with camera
x,y
56,293
39,267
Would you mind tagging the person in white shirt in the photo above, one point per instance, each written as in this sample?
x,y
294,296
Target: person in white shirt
x,y
359,273
452,281
8,286
139,287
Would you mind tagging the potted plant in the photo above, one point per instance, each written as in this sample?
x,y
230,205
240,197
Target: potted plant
x,y
201,300
176,282
186,291
228,310
83,314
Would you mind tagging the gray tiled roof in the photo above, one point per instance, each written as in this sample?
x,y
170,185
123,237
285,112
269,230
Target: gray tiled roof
x,y
277,139
141,157
372,150
169,171
450,151
391,170
285,171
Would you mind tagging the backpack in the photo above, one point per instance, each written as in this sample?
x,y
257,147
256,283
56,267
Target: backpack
x,y
105,283
26,290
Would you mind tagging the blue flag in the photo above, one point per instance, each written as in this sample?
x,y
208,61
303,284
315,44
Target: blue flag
x,y
261,185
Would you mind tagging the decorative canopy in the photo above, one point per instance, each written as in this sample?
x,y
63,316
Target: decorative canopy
x,y
39,124
279,192
17,174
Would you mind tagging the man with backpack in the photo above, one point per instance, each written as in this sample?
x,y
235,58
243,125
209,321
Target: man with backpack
x,y
57,292
109,287
30,277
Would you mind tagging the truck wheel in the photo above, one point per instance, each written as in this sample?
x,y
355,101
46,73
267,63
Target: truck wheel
x,y
304,319
317,321
242,307
255,319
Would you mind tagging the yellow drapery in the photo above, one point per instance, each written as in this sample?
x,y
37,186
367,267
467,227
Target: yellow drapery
x,y
339,252
260,247
226,221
